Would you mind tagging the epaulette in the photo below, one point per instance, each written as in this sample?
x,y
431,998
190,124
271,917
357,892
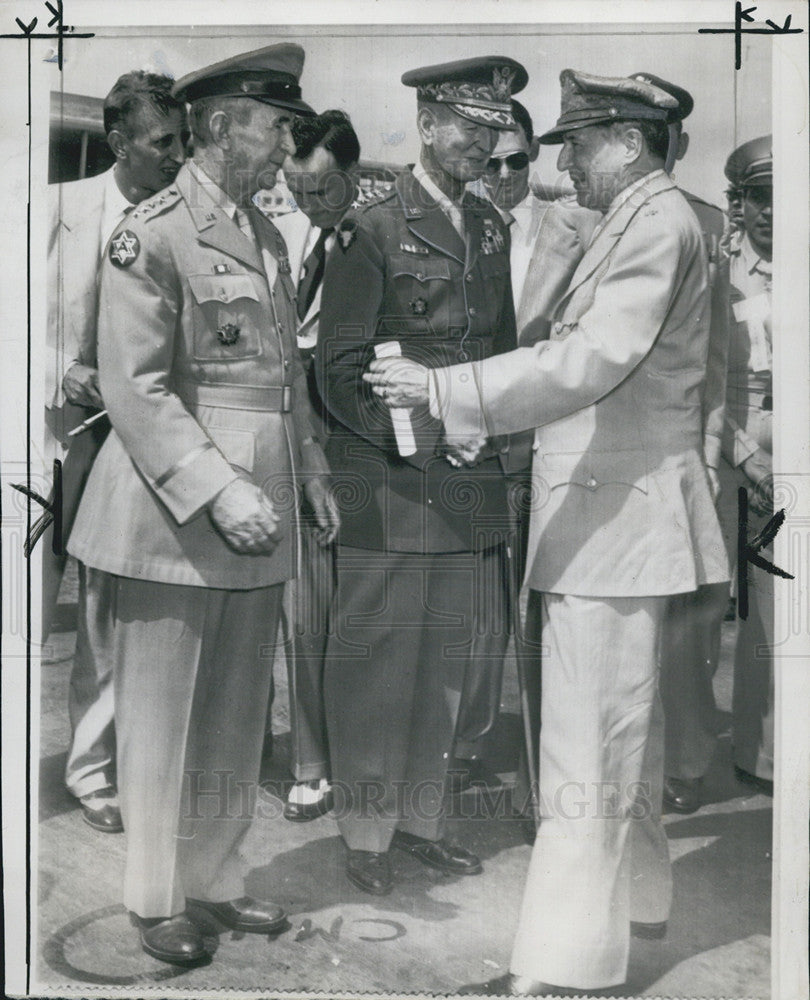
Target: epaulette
x,y
155,205
371,198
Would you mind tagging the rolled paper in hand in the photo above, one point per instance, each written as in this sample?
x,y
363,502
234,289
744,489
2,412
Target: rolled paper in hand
x,y
400,417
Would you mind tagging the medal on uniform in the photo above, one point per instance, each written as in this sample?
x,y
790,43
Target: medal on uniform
x,y
492,240
228,334
284,265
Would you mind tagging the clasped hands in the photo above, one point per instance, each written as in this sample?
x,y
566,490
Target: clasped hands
x,y
403,384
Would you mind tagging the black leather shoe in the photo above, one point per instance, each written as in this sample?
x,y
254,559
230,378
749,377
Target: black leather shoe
x,y
370,871
171,939
648,932
101,815
245,914
303,812
438,854
463,774
762,784
682,795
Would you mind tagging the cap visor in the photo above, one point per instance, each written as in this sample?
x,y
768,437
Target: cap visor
x,y
556,134
300,107
503,121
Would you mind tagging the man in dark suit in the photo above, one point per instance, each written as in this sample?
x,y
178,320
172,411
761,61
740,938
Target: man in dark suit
x,y
322,177
422,570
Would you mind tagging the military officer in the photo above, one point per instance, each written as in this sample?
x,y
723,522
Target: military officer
x,y
690,645
191,502
622,517
423,270
748,450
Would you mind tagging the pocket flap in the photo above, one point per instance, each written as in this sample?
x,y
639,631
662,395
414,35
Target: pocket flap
x,y
420,268
222,287
239,447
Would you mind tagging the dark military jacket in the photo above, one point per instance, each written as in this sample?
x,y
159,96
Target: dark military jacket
x,y
399,271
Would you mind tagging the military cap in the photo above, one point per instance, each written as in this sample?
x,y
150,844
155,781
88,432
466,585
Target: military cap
x,y
478,89
600,100
752,163
683,97
269,75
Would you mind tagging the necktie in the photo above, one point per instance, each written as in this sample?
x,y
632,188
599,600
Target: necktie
x,y
314,266
243,221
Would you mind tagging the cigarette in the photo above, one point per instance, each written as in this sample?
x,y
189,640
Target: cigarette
x,y
85,424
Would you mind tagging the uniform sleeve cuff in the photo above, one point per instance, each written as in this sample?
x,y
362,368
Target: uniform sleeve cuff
x,y
711,451
194,482
456,401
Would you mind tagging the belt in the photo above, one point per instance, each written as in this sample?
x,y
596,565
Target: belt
x,y
273,398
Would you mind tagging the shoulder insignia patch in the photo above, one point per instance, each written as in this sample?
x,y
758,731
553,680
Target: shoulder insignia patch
x,y
347,234
124,248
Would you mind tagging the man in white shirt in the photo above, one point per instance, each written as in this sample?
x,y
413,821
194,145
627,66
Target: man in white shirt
x,y
322,178
147,131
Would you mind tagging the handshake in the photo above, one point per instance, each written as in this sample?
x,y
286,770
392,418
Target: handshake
x,y
402,385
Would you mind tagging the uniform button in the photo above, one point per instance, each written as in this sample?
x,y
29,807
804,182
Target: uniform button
x,y
281,328
429,500
420,276
558,327
468,278
472,310
592,482
286,363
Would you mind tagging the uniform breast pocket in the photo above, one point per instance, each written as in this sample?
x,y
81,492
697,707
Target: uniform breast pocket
x,y
423,288
225,316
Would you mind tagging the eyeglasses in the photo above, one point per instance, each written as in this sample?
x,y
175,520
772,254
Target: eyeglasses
x,y
515,161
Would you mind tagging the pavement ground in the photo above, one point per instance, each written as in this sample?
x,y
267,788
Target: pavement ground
x,y
433,933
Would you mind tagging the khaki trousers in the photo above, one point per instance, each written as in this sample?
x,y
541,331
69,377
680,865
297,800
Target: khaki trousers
x,y
192,677
600,858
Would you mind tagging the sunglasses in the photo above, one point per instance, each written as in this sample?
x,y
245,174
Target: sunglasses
x,y
515,161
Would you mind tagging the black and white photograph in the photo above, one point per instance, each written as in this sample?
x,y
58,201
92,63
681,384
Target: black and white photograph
x,y
405,458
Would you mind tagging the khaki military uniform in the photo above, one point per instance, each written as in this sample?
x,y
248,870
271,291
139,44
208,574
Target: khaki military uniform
x,y
622,517
199,370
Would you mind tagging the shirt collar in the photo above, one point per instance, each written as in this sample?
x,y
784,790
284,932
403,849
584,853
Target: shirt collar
x,y
627,193
752,260
212,189
115,202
